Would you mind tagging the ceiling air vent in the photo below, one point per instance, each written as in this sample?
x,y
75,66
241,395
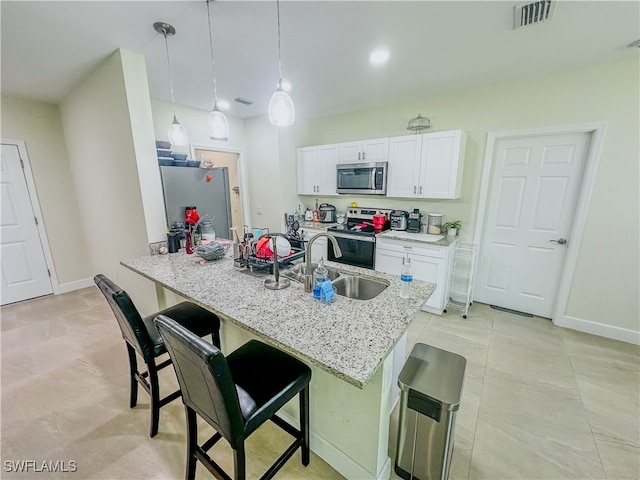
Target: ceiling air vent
x,y
533,12
243,101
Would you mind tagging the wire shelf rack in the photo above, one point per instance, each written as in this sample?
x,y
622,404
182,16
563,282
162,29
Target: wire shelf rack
x,y
463,276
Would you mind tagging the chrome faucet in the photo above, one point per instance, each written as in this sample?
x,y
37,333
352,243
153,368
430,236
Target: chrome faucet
x,y
308,274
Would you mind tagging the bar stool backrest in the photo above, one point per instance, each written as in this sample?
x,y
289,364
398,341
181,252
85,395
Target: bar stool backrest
x,y
205,379
129,320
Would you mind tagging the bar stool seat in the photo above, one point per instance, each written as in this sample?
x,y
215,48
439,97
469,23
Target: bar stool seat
x,y
235,395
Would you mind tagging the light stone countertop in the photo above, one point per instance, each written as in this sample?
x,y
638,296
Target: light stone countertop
x,y
348,338
404,236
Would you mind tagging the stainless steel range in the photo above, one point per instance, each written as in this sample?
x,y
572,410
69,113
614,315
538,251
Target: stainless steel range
x,y
357,237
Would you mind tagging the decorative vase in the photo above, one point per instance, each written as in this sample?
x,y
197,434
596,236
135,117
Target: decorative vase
x,y
188,244
452,232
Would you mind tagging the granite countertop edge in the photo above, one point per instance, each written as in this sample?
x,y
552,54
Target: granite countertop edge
x,y
348,338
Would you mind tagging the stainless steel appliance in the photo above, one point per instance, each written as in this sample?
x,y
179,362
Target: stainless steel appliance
x,y
357,237
399,219
183,186
414,223
362,178
327,213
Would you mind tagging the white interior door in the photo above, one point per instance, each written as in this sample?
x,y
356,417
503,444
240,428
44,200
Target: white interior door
x,y
532,198
24,268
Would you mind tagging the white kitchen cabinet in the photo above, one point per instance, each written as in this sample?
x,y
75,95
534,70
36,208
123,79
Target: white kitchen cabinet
x,y
404,165
317,169
426,166
375,150
319,247
442,161
430,263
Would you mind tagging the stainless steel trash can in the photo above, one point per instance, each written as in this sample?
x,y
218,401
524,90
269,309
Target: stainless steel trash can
x,y
431,386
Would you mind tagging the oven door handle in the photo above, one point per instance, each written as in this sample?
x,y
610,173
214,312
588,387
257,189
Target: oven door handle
x,y
353,237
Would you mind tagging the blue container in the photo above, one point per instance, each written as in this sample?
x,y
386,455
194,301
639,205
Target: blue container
x,y
163,153
178,156
165,161
163,145
193,163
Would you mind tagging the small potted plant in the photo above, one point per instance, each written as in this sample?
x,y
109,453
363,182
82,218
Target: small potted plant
x,y
452,228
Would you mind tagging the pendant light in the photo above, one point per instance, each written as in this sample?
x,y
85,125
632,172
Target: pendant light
x,y
282,113
177,133
217,123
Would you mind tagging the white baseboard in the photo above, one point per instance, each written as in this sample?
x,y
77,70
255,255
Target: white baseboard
x,y
71,286
341,462
609,331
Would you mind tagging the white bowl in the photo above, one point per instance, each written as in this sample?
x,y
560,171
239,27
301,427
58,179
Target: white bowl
x,y
283,246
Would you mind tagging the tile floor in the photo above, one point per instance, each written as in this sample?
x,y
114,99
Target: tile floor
x,y
539,402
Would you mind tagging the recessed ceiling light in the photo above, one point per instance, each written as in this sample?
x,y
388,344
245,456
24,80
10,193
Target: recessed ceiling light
x,y
223,105
379,57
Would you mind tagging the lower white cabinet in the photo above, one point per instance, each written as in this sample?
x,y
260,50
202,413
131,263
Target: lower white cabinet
x,y
430,263
319,247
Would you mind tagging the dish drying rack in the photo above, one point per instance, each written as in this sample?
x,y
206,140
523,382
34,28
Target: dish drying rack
x,y
248,257
257,263
463,276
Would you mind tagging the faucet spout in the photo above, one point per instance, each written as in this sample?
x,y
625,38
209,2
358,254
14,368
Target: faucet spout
x,y
308,274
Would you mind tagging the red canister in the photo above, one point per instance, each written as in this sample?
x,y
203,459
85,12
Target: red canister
x,y
379,222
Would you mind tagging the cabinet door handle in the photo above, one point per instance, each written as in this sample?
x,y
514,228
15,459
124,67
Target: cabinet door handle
x,y
363,153
407,247
420,189
414,189
359,156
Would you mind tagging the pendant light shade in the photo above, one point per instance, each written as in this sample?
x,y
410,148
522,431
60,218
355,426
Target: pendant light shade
x,y
177,134
282,112
217,123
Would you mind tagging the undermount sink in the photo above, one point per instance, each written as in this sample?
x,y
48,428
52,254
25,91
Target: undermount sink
x,y
360,288
297,272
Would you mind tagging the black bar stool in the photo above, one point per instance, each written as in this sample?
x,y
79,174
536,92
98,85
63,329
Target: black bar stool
x,y
142,337
235,395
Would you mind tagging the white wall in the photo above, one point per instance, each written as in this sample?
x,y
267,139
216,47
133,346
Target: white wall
x,y
605,287
39,125
101,143
195,123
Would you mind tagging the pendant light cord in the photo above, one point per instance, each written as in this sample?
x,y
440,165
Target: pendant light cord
x,y
279,55
213,65
166,45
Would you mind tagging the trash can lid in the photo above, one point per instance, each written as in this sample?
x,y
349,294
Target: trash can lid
x,y
436,373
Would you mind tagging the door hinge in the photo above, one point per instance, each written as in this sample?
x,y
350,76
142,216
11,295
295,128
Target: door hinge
x,y
49,272
36,219
21,163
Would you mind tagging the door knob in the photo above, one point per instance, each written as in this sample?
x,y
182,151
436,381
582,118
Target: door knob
x,y
560,241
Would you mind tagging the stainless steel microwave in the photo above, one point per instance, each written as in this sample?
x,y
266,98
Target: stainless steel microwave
x,y
362,178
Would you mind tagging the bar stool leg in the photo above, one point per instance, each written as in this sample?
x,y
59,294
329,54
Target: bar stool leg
x,y
304,423
239,463
155,397
192,443
133,369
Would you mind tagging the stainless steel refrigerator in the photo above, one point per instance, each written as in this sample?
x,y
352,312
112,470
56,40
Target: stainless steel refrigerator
x,y
206,189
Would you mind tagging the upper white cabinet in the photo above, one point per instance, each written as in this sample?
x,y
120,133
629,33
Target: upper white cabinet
x,y
426,166
404,166
317,169
376,150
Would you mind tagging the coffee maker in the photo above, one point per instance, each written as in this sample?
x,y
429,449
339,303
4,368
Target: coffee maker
x,y
414,223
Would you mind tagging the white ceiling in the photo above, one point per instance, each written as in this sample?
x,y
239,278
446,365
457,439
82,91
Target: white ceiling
x,y
436,47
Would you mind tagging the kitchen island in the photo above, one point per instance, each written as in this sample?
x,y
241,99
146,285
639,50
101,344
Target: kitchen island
x,y
354,347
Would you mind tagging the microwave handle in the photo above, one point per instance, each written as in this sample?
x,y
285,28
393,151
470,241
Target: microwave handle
x,y
373,177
